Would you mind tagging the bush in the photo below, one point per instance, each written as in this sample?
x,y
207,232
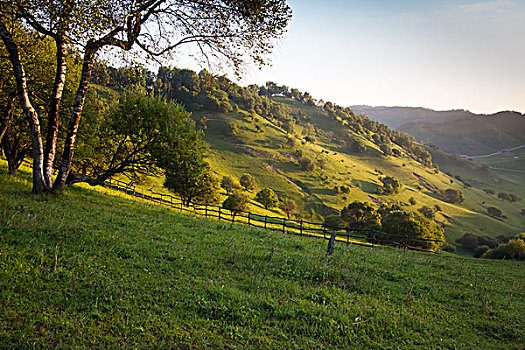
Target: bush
x,y
391,185
386,149
237,201
228,184
307,163
453,196
358,147
248,182
427,212
480,250
288,206
514,249
267,197
489,191
468,241
504,196
360,216
494,211
412,201
414,228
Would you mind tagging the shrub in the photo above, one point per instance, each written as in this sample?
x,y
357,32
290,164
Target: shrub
x,y
427,212
344,189
386,149
307,163
288,206
358,147
267,197
437,207
412,201
396,153
514,249
414,228
248,182
494,211
453,196
228,184
391,185
489,191
360,216
237,201
480,250
468,241
333,221
504,196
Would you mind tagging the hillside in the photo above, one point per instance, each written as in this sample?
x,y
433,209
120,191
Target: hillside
x,y
457,131
89,270
308,153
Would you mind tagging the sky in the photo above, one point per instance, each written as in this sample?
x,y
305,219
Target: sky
x,y
439,54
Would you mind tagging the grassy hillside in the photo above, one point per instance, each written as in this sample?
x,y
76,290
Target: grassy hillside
x,y
259,146
89,270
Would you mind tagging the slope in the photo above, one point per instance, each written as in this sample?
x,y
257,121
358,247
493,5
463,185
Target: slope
x,y
87,270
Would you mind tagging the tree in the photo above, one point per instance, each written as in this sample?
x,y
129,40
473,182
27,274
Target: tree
x,y
228,184
201,187
232,30
248,182
360,216
427,212
386,149
138,136
391,185
494,211
453,196
288,206
358,146
237,201
267,197
307,163
411,229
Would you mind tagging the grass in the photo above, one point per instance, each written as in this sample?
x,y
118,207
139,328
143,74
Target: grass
x,y
88,270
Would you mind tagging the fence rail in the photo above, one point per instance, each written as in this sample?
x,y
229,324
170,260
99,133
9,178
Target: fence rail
x,y
369,238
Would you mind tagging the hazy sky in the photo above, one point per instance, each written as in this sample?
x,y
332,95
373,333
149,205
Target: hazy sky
x,y
439,54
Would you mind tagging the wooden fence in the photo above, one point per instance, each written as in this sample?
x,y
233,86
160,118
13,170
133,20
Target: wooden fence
x,y
369,238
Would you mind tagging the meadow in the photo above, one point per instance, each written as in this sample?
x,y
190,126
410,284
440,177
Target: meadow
x,y
88,269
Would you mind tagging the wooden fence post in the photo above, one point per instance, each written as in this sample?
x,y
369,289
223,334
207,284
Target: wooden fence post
x,y
219,213
265,219
301,228
181,205
206,211
233,216
249,219
171,201
324,230
284,225
161,198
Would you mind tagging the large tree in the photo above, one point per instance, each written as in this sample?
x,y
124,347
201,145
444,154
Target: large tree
x,y
230,30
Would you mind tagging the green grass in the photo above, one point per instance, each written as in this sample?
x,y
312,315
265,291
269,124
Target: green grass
x,y
88,270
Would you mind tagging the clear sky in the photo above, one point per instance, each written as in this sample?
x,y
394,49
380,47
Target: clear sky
x,y
441,54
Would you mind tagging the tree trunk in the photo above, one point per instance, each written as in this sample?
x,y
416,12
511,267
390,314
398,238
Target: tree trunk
x,y
69,145
39,184
10,157
6,118
52,126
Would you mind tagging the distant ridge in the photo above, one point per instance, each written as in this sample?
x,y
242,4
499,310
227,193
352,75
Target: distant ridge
x,y
455,131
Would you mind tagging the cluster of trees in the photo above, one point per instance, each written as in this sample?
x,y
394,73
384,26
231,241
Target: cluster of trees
x,y
453,196
389,223
77,32
238,201
501,247
390,186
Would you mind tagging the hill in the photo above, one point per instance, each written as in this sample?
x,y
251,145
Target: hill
x,y
89,270
457,131
324,156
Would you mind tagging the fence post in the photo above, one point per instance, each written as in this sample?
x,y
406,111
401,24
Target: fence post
x,y
265,219
206,211
161,198
219,213
406,243
233,216
171,201
324,230
133,191
181,205
284,225
301,228
142,193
